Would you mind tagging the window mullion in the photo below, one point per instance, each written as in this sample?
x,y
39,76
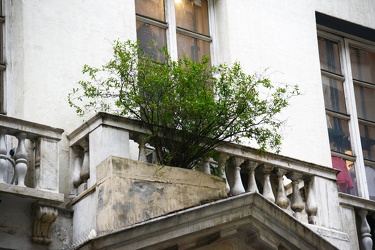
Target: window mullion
x,y
355,139
171,31
212,29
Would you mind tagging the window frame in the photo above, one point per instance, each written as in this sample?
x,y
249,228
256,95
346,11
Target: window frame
x,y
345,42
3,89
172,30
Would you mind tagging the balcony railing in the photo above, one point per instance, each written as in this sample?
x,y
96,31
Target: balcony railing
x,y
287,182
364,212
29,159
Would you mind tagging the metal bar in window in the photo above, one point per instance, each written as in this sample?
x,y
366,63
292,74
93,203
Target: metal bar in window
x,y
193,34
332,75
338,115
364,84
366,122
152,21
369,163
344,156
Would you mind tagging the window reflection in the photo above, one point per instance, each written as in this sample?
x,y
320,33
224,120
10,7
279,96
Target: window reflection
x,y
365,102
338,131
192,27
192,47
150,8
192,15
363,65
346,179
151,39
370,175
329,55
333,95
368,141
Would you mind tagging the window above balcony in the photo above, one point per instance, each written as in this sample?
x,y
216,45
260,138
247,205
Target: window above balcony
x,y
180,25
348,81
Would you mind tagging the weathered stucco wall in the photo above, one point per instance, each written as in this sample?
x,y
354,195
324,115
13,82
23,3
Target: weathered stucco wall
x,y
17,223
129,192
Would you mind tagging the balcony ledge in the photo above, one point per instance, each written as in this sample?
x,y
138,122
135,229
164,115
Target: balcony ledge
x,y
35,194
357,202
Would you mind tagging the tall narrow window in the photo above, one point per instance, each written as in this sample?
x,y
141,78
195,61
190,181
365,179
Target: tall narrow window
x,y
337,116
2,63
151,26
193,37
181,24
348,79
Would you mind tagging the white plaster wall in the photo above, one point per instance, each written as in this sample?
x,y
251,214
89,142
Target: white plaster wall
x,y
17,223
50,41
361,12
280,36
348,217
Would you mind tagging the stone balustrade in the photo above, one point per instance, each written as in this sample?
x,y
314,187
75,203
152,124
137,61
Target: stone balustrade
x,y
286,182
29,159
364,212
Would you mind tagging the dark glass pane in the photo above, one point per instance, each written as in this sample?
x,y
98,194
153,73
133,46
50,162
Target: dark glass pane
x,y
2,92
370,176
346,179
192,47
368,141
365,102
192,15
363,65
1,43
333,95
329,55
150,8
151,39
338,131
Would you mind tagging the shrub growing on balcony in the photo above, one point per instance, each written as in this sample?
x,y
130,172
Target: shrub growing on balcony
x,y
189,107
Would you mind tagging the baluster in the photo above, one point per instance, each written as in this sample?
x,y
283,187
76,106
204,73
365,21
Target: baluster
x,y
77,166
251,185
365,230
204,166
3,159
236,182
21,162
142,148
221,166
311,204
37,163
281,198
297,202
267,188
85,171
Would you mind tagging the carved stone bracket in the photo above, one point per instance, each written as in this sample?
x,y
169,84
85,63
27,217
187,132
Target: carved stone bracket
x,y
43,219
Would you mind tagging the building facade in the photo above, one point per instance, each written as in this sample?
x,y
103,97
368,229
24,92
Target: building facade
x,y
59,189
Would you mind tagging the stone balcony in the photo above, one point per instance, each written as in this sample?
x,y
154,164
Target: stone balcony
x,y
29,171
297,188
29,159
